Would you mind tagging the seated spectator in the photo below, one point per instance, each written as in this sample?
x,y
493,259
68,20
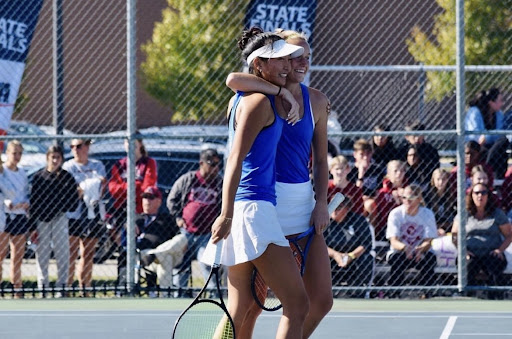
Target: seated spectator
x,y
411,228
194,202
506,193
472,158
427,153
488,234
152,230
479,176
417,172
383,148
389,197
349,241
339,169
366,173
442,200
485,114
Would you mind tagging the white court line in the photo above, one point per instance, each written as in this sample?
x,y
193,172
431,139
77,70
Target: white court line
x,y
448,328
482,334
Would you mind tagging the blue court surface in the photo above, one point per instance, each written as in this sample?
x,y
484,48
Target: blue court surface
x,y
154,318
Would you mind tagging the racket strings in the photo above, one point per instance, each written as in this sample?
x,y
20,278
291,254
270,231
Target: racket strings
x,y
204,320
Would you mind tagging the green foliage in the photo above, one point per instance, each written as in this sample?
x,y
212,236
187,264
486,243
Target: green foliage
x,y
192,51
488,31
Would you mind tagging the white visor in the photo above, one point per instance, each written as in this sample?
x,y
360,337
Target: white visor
x,y
277,50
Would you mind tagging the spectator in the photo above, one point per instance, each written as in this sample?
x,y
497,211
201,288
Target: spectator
x,y
488,234
366,174
7,192
411,228
388,197
417,172
145,176
339,169
442,200
485,114
427,153
154,229
195,201
17,225
85,227
383,148
506,193
472,158
349,241
53,194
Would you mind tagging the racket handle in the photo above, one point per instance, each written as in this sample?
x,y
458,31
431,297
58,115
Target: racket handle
x,y
218,253
335,202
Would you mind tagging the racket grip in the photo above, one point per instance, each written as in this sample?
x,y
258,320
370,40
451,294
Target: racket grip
x,y
335,202
218,253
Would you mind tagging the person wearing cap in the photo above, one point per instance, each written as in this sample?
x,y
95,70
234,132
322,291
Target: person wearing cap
x,y
154,229
297,206
84,229
194,202
53,194
249,222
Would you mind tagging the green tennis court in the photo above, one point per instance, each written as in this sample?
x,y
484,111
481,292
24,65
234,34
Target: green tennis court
x,y
154,318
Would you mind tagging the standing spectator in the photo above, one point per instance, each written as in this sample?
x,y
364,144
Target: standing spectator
x,y
154,229
427,153
85,226
339,169
488,234
195,201
349,241
145,176
411,228
53,194
442,200
384,149
388,197
17,225
485,114
7,192
366,173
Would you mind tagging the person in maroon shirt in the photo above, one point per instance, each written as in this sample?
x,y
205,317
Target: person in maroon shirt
x,y
472,158
195,202
339,169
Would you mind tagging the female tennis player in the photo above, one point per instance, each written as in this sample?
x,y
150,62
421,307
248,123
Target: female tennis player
x,y
297,206
248,219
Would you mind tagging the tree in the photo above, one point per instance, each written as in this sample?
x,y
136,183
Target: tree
x,y
488,28
192,51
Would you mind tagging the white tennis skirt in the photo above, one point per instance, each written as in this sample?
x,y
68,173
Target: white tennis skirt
x,y
254,227
295,202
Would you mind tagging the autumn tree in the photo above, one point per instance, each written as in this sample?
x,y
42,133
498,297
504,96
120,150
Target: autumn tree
x,y
191,52
488,29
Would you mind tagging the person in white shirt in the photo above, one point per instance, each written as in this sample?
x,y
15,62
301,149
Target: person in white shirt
x,y
410,230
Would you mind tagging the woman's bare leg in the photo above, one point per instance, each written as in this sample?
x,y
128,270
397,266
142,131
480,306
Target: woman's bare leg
x,y
87,250
17,253
74,244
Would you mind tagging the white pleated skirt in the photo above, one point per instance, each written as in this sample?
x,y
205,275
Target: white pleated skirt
x,y
254,227
295,202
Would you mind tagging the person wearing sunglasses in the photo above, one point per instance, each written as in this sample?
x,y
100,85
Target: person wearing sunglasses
x,y
85,227
488,234
194,202
410,230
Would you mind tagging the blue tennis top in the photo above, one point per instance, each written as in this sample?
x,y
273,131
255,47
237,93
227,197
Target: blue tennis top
x,y
294,147
258,177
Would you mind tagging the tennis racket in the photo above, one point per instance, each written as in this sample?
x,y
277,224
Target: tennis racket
x,y
206,317
263,295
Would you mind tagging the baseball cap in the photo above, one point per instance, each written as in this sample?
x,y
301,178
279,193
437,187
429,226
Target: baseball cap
x,y
277,49
152,192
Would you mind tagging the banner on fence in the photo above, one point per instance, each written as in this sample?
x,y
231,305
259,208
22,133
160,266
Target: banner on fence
x,y
18,20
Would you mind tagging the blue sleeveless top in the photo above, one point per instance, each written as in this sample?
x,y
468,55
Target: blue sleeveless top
x,y
258,177
294,147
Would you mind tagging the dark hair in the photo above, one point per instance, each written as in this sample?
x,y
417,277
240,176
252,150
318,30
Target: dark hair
x,y
254,38
55,149
143,150
208,154
414,125
473,145
470,203
481,101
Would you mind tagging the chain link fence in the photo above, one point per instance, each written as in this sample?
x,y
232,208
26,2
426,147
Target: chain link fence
x,y
389,70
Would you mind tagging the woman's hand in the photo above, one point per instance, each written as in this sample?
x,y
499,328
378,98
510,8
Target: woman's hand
x,y
294,111
221,228
498,254
320,218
